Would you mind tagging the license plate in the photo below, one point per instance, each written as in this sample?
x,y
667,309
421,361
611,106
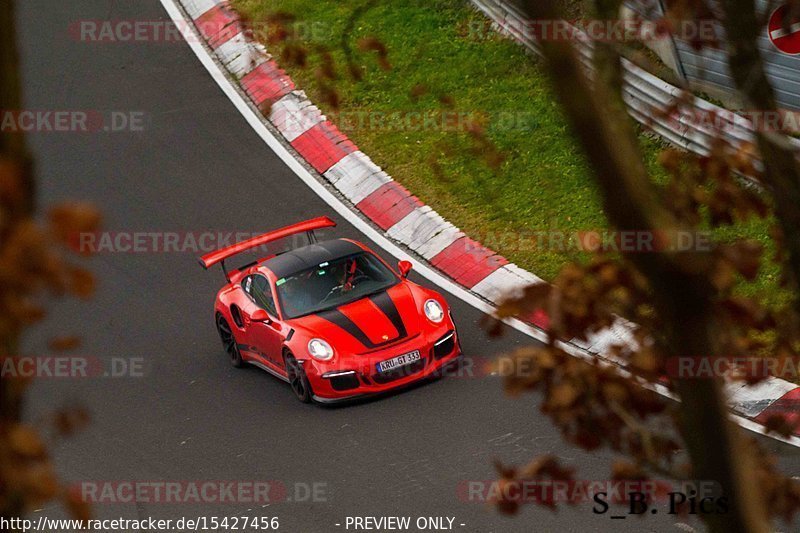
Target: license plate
x,y
397,362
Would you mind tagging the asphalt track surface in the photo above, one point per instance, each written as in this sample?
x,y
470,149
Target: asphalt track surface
x,y
198,166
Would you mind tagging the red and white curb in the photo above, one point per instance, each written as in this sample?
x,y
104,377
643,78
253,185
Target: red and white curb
x,y
402,218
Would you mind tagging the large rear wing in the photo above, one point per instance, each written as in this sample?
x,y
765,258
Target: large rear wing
x,y
307,227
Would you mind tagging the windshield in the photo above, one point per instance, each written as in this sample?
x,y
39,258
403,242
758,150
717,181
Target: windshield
x,y
332,284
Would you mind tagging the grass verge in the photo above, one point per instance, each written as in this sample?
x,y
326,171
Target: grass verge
x,y
448,70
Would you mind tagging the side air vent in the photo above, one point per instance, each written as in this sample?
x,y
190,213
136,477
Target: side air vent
x,y
237,316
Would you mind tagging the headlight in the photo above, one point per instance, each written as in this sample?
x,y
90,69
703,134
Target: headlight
x,y
434,311
320,350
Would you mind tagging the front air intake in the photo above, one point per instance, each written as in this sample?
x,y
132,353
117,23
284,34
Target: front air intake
x,y
445,345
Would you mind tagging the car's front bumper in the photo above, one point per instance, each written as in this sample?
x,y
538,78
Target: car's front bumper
x,y
360,376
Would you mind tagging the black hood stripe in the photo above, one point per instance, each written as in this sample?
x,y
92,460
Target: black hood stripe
x,y
340,319
384,302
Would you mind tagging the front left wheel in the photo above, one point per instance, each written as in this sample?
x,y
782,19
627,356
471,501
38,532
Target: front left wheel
x,y
229,342
297,378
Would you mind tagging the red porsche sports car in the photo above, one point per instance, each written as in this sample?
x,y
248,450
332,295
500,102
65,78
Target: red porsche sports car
x,y
331,318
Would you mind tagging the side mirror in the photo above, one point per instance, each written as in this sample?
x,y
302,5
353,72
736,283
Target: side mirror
x,y
260,316
405,268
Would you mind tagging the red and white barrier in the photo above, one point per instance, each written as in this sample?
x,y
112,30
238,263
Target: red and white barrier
x,y
294,114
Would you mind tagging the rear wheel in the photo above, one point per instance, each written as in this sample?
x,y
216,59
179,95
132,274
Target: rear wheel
x,y
229,342
297,378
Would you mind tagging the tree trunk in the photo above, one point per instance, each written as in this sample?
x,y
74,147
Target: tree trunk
x,y
681,288
17,175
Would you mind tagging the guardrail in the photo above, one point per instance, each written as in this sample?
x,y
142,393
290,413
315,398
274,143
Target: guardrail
x,y
649,99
